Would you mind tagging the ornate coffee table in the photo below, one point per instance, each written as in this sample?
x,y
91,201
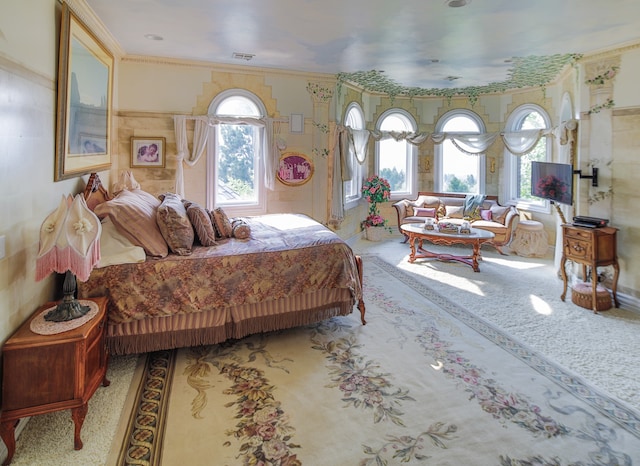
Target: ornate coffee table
x,y
417,233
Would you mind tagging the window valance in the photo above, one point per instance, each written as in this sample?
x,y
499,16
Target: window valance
x,y
518,143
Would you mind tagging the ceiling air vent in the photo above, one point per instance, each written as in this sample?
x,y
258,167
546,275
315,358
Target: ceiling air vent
x,y
243,56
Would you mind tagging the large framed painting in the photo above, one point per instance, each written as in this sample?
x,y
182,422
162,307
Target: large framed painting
x,y
85,83
294,169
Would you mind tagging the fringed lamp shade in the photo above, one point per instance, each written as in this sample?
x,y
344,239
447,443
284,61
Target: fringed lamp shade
x,y
69,244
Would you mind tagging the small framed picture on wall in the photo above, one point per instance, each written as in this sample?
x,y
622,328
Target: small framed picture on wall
x,y
147,152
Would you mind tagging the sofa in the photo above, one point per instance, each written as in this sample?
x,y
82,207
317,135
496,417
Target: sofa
x,y
483,212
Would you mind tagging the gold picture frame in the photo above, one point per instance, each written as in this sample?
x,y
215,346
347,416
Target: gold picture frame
x,y
85,86
148,152
294,169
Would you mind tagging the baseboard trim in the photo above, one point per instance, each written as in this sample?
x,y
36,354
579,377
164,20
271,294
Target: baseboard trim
x,y
629,302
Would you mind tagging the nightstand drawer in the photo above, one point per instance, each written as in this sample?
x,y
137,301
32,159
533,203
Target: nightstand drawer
x,y
576,249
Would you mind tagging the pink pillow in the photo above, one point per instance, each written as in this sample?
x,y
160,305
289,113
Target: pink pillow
x,y
424,212
485,214
134,215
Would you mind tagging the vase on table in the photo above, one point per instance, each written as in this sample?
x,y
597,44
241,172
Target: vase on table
x,y
374,233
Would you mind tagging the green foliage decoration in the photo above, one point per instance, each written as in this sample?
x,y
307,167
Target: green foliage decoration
x,y
531,71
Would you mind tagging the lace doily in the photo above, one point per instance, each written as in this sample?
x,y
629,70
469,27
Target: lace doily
x,y
44,327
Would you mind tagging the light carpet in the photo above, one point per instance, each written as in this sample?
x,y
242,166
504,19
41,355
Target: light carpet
x,y
423,382
521,296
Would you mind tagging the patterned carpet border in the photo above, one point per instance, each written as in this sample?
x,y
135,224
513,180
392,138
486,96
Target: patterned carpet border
x,y
616,411
142,444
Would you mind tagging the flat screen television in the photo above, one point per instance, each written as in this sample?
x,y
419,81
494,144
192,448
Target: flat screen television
x,y
552,181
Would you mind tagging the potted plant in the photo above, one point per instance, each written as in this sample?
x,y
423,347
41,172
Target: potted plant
x,y
375,190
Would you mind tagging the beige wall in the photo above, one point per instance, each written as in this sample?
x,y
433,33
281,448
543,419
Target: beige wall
x,y
27,140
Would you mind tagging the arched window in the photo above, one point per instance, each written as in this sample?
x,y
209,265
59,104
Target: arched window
x,y
518,167
235,165
354,118
396,160
455,170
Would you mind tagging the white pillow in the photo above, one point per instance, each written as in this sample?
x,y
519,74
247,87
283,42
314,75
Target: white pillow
x,y
115,248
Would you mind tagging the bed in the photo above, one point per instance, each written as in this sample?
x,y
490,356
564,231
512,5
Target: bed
x,y
289,271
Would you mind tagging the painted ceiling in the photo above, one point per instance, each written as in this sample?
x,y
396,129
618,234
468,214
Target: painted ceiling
x,y
413,47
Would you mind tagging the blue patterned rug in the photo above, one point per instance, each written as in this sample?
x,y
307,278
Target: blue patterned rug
x,y
424,382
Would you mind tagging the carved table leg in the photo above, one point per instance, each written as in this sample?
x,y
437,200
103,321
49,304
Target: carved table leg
x,y
78,415
7,432
476,253
563,272
614,285
412,244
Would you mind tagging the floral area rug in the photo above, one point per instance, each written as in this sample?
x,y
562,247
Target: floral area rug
x,y
424,382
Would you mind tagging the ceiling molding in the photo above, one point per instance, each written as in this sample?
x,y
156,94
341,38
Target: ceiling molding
x,y
96,26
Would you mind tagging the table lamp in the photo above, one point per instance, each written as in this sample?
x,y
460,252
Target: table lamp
x,y
69,244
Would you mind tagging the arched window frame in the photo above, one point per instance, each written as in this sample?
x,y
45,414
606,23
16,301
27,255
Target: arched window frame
x,y
411,158
512,162
439,149
354,118
237,208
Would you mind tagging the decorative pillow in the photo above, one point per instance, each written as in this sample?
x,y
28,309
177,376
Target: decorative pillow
x,y
126,181
424,212
134,215
201,222
442,211
221,222
499,213
240,229
454,211
175,225
485,214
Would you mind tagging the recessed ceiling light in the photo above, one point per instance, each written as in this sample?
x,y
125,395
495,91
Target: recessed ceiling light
x,y
457,3
243,56
153,37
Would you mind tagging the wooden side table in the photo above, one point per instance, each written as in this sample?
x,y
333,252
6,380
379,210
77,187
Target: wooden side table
x,y
46,373
594,247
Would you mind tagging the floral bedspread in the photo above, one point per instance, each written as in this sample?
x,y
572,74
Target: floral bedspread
x,y
286,255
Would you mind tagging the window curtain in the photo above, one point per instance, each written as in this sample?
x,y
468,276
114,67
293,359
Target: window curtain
x,y
200,137
342,171
204,132
470,144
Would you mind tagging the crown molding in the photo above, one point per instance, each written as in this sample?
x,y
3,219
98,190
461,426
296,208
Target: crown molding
x,y
86,14
608,52
225,67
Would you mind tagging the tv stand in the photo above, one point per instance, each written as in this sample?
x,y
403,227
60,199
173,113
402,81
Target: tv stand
x,y
594,247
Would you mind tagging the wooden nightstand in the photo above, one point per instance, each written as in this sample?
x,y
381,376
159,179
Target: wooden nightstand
x,y
593,247
45,373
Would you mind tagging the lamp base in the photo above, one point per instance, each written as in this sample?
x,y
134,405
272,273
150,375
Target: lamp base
x,y
70,308
66,311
